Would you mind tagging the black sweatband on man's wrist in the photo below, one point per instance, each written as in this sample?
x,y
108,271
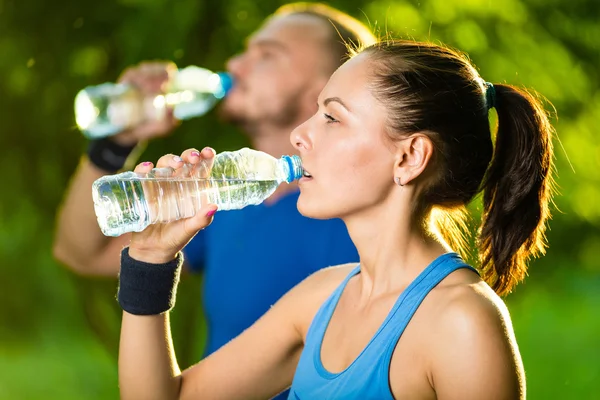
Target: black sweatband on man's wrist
x,y
108,155
148,289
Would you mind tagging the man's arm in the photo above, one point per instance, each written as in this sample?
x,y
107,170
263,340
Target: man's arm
x,y
78,241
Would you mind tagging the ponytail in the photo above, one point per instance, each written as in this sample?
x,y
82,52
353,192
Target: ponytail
x,y
516,190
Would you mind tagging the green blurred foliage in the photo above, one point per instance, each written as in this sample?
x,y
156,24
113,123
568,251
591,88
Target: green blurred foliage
x,y
59,332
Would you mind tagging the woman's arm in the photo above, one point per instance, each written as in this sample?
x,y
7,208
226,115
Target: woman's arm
x,y
256,365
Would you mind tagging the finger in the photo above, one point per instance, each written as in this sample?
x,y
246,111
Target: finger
x,y
194,156
160,67
127,75
191,156
170,117
157,66
169,160
152,84
144,167
208,153
145,80
208,157
202,219
155,75
200,161
149,78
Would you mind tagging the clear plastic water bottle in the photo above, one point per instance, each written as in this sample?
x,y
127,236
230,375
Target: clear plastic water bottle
x,y
109,108
129,202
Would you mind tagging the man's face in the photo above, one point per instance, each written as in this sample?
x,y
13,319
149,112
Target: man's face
x,y
282,64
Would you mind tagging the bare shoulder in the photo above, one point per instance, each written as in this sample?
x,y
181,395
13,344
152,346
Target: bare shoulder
x,y
319,285
307,297
327,279
475,344
471,307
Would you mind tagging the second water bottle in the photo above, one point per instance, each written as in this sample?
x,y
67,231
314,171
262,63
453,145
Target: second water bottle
x,y
110,108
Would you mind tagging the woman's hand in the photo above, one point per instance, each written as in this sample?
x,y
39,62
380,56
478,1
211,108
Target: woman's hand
x,y
160,243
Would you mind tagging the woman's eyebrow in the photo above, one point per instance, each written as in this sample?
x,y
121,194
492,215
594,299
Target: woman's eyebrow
x,y
337,100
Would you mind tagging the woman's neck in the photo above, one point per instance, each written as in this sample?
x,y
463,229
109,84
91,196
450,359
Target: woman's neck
x,y
393,249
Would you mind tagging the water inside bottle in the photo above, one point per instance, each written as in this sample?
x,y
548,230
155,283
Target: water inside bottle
x,y
131,204
107,109
190,104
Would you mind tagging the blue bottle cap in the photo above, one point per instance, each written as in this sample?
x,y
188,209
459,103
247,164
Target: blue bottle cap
x,y
226,83
295,170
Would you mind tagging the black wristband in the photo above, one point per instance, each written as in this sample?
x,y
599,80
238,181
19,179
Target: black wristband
x,y
147,289
108,155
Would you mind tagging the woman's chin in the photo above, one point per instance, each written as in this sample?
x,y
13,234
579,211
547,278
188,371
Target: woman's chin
x,y
314,211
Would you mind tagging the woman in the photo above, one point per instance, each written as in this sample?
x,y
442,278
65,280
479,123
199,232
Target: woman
x,y
399,146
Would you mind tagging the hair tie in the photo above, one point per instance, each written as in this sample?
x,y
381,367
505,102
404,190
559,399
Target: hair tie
x,y
490,95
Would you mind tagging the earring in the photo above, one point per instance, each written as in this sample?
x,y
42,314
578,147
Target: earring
x,y
397,180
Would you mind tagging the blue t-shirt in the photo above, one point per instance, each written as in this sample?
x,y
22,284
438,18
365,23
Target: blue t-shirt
x,y
253,256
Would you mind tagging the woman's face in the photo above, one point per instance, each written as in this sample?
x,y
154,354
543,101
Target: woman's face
x,y
344,147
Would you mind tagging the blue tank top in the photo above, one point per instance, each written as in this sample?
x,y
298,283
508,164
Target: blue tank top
x,y
368,375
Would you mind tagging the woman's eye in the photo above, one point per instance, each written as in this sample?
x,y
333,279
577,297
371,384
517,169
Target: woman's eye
x,y
330,119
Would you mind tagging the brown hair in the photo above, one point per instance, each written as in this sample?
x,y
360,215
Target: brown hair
x,y
434,90
347,34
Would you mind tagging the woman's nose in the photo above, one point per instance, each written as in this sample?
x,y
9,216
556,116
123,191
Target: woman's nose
x,y
300,137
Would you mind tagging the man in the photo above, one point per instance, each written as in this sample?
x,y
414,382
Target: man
x,y
249,257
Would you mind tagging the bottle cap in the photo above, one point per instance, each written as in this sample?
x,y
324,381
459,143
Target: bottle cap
x,y
295,170
226,84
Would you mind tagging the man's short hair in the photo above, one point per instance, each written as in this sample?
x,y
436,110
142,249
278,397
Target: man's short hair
x,y
347,34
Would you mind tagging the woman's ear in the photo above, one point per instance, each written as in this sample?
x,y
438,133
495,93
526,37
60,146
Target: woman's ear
x,y
412,157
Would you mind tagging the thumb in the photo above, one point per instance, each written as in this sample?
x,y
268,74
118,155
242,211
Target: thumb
x,y
203,218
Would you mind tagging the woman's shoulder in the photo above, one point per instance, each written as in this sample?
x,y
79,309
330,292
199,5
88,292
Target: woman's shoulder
x,y
321,284
331,275
468,310
308,296
473,332
463,295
